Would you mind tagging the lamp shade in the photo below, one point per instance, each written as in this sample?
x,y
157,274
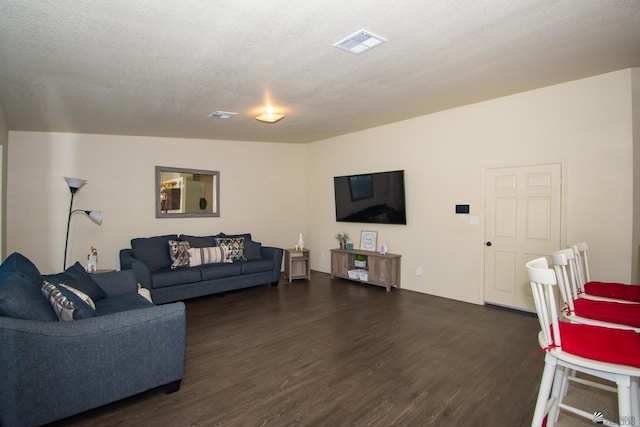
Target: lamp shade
x,y
96,216
75,183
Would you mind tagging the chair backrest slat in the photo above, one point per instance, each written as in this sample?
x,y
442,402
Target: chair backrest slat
x,y
564,267
542,281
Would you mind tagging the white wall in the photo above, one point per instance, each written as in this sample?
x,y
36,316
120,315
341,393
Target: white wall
x,y
585,124
278,190
262,191
4,137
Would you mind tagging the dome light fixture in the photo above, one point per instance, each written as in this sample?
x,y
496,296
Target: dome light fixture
x,y
269,115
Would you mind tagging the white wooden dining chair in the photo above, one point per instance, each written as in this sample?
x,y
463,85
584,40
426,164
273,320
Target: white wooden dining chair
x,y
605,353
580,309
597,289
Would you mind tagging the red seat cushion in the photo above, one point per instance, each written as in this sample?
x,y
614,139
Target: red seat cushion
x,y
606,311
599,343
613,290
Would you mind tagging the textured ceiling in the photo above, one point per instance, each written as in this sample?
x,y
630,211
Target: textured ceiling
x,y
159,68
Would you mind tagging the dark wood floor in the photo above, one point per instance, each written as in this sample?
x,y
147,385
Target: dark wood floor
x,y
337,353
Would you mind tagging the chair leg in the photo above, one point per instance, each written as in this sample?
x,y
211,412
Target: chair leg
x,y
560,380
625,413
545,391
635,400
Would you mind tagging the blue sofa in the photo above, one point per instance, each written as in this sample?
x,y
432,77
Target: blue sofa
x,y
52,369
156,268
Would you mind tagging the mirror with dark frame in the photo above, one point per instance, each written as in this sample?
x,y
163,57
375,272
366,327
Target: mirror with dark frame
x,y
187,193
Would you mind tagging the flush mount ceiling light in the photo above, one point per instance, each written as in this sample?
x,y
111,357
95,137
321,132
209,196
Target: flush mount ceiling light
x,y
269,116
222,114
359,42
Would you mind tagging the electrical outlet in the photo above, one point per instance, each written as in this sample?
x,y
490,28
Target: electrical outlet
x,y
419,271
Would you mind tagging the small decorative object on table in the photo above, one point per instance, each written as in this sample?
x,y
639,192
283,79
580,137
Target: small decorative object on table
x,y
383,249
300,245
368,240
92,260
360,261
343,238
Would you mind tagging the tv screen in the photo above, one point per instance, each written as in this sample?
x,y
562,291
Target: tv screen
x,y
371,198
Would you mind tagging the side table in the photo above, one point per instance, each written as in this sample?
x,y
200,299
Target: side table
x,y
297,264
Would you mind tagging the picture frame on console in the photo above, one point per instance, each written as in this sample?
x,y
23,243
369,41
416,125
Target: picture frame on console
x,y
368,240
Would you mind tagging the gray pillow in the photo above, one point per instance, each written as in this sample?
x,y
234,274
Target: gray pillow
x,y
153,251
77,277
18,263
21,299
66,304
252,250
199,241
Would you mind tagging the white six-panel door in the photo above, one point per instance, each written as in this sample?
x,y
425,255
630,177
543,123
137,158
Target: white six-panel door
x,y
522,222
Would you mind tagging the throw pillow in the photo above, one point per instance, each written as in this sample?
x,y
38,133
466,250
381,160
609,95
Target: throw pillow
x,y
198,241
21,299
23,266
65,303
252,249
78,278
234,247
84,297
179,253
214,254
153,251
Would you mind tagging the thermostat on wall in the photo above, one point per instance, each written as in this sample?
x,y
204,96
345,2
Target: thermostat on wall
x,y
462,209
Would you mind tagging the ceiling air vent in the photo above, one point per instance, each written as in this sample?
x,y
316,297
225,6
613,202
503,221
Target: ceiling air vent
x,y
359,42
222,114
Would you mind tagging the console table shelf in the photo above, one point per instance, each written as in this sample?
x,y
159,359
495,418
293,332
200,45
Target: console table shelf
x,y
381,270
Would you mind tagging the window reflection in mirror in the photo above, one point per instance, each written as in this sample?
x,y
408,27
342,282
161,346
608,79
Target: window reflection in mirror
x,y
187,192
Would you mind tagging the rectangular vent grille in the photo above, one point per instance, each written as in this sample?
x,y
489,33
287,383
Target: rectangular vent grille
x,y
222,114
359,42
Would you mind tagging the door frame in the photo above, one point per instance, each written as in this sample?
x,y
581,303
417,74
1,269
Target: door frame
x,y
564,184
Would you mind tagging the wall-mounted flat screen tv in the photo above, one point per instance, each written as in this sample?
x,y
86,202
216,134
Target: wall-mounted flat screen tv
x,y
371,198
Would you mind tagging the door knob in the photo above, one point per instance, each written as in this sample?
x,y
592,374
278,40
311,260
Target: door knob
x,y
488,244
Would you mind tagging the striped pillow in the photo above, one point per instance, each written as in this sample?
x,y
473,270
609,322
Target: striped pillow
x,y
210,255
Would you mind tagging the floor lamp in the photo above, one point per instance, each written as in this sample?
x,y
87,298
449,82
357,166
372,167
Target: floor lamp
x,y
95,216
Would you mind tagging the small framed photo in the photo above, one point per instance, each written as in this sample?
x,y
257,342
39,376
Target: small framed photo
x,y
369,240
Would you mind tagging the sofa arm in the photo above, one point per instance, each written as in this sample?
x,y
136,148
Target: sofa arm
x,y
117,282
52,370
274,254
141,272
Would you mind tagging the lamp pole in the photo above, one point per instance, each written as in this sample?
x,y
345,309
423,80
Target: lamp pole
x,y
66,242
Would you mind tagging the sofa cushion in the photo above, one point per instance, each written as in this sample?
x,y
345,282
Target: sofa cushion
x,y
65,303
179,253
256,266
18,263
219,271
77,277
210,255
234,247
252,250
153,250
119,303
199,241
20,298
180,276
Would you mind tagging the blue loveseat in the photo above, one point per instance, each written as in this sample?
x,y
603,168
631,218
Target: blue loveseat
x,y
170,277
52,369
